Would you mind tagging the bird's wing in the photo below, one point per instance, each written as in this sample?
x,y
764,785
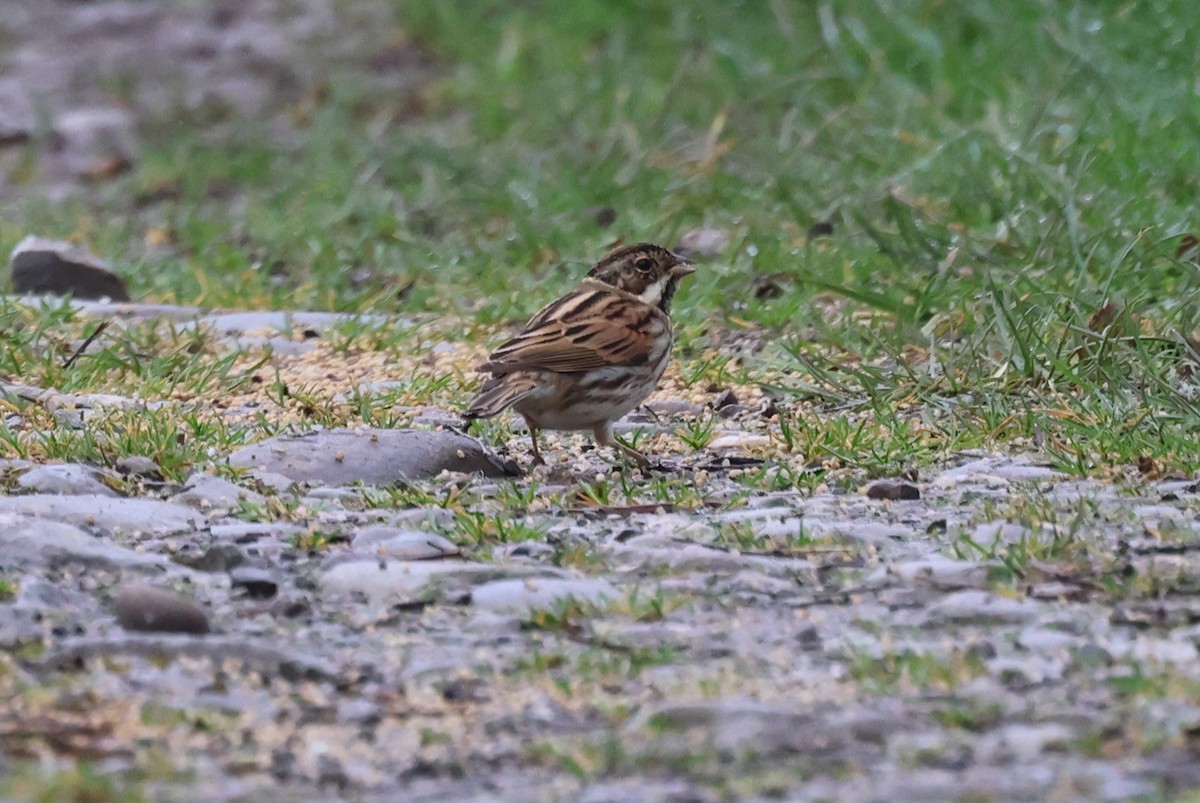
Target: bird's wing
x,y
585,329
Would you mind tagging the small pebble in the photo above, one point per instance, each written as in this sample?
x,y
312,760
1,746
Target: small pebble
x,y
146,608
889,489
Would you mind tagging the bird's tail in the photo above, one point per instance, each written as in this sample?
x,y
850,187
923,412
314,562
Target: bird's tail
x,y
498,394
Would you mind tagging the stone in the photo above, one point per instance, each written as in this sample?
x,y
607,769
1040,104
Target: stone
x,y
994,533
139,466
890,489
941,572
134,310
215,558
733,727
66,479
702,243
95,142
372,456
382,580
643,788
739,440
726,398
146,608
106,515
206,492
257,582
250,531
273,482
234,324
994,470
25,540
521,596
399,544
18,118
978,607
53,267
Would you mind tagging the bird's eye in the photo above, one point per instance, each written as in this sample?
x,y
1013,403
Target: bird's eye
x,y
644,264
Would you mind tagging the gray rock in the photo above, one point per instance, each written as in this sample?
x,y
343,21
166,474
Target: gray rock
x,y
383,580
702,243
215,558
257,582
139,466
206,492
273,482
245,532
146,608
1023,742
95,141
732,727
978,607
25,540
53,267
893,490
241,323
994,533
106,515
941,572
66,479
133,310
398,544
996,471
18,119
372,456
281,661
642,788
541,593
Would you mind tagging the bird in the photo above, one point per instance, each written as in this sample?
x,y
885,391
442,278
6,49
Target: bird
x,y
588,358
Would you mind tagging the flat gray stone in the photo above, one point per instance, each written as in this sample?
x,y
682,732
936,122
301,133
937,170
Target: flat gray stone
x,y
128,310
139,466
371,456
381,580
734,726
242,322
69,479
26,540
399,544
996,470
54,267
980,608
702,243
206,492
541,593
253,531
941,572
107,515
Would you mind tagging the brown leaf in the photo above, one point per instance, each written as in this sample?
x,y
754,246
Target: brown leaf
x,y
1187,242
822,228
1104,317
766,287
106,169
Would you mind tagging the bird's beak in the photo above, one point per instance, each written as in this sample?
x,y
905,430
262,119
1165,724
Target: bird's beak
x,y
682,268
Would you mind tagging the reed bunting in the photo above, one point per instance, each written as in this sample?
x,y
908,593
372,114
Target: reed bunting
x,y
593,355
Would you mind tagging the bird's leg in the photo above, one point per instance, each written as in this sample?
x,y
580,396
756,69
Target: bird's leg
x,y
604,437
533,433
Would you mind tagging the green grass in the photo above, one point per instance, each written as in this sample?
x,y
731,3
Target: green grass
x,y
1009,186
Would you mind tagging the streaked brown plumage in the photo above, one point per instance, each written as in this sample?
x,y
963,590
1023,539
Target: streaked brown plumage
x,y
590,357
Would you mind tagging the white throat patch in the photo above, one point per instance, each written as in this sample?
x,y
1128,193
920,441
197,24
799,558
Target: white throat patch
x,y
654,292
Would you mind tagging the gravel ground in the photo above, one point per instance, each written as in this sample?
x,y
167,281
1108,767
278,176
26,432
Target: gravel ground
x,y
910,639
346,614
